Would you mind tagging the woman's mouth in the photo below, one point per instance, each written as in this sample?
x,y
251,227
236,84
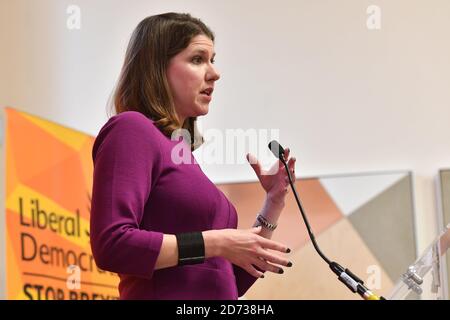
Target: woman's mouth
x,y
206,94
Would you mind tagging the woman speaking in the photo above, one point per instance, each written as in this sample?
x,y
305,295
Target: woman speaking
x,y
163,226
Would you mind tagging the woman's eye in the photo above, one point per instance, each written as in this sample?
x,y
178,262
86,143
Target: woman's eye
x,y
197,59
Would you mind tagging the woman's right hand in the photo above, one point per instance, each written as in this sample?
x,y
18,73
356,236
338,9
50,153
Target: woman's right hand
x,y
246,249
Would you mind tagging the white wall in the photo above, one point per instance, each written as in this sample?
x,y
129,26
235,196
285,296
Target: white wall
x,y
346,99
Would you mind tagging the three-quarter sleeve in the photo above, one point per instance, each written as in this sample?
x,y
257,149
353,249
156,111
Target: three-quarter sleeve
x,y
127,161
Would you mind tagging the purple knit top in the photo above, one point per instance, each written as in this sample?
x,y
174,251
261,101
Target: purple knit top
x,y
138,195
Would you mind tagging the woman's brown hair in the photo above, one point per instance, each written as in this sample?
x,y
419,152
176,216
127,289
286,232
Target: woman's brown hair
x,y
143,85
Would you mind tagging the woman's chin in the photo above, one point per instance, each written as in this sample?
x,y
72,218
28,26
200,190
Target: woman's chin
x,y
198,109
202,111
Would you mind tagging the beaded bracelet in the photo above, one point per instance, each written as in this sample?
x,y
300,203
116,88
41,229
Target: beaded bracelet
x,y
266,224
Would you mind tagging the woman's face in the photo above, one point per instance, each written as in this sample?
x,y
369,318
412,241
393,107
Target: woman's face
x,y
191,76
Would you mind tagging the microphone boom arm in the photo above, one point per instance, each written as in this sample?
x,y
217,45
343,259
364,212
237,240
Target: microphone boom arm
x,y
351,281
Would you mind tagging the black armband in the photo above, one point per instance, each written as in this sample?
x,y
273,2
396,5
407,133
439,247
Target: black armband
x,y
191,248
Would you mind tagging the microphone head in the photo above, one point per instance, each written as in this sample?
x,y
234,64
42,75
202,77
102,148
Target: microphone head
x,y
276,149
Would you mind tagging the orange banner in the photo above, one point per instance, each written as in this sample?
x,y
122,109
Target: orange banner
x,y
48,186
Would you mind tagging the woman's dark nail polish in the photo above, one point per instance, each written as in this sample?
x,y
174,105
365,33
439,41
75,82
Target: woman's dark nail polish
x,y
288,250
280,271
289,264
262,276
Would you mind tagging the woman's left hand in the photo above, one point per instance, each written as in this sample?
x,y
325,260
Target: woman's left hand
x,y
274,181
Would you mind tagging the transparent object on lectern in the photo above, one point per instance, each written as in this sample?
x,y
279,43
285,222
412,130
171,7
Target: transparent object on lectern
x,y
427,277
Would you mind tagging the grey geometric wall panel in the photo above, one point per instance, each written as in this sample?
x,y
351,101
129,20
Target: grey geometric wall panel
x,y
386,225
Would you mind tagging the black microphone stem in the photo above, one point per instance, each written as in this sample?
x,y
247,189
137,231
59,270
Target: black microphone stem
x,y
305,219
355,284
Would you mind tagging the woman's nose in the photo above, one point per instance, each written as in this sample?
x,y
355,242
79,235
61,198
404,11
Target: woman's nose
x,y
213,74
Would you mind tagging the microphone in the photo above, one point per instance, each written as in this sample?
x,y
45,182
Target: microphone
x,y
355,284
277,150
